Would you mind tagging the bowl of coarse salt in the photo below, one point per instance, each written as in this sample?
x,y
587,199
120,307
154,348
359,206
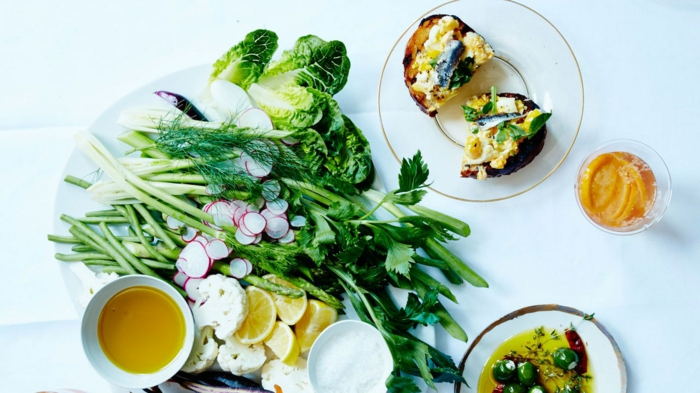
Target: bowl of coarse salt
x,y
349,357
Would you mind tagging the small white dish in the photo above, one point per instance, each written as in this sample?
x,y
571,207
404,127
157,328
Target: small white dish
x,y
93,350
343,327
605,360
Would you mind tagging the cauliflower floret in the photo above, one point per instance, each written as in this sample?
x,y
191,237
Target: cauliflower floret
x,y
239,358
290,379
203,353
92,282
224,307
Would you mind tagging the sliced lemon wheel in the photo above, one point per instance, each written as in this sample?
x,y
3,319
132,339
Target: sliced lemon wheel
x,y
283,343
289,310
261,317
317,318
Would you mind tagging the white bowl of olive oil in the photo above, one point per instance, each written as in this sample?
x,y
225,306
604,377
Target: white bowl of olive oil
x,y
137,332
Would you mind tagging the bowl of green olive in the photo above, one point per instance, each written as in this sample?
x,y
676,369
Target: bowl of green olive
x,y
544,349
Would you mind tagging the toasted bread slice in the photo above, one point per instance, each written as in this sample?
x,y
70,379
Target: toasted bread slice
x,y
515,154
441,55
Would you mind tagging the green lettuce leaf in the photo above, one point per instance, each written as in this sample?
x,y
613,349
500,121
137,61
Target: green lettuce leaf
x,y
245,62
312,62
290,107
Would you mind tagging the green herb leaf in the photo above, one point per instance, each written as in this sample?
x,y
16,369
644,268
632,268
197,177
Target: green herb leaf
x,y
419,312
537,123
399,255
470,113
414,173
502,133
475,130
494,99
487,108
396,384
516,132
433,61
463,73
343,211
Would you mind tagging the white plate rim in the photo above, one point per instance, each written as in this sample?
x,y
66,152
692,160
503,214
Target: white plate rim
x,y
578,127
548,307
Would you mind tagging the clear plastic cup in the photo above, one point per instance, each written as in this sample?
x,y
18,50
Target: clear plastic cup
x,y
658,168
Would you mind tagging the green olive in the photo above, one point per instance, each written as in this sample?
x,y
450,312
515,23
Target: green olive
x,y
514,388
565,358
504,370
537,389
527,374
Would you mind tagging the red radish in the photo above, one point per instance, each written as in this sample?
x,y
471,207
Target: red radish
x,y
254,222
256,169
251,208
201,240
179,279
259,203
298,221
173,223
216,249
258,238
255,118
194,261
206,207
277,206
288,238
223,220
244,239
239,203
219,207
192,289
267,214
239,267
243,228
238,214
179,262
230,98
271,190
277,227
189,234
289,141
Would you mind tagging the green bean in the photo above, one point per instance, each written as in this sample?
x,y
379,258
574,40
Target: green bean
x,y
135,262
103,213
98,220
81,256
158,231
130,214
99,240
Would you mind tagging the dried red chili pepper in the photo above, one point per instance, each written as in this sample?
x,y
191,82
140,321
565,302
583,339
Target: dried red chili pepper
x,y
576,344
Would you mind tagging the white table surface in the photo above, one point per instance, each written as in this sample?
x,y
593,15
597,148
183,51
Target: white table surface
x,y
62,63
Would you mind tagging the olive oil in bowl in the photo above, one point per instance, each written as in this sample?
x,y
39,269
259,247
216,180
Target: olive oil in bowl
x,y
141,329
137,331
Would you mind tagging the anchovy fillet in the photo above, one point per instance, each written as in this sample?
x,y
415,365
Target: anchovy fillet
x,y
447,62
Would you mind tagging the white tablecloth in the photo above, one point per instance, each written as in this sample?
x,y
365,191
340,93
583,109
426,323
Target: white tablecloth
x,y
64,62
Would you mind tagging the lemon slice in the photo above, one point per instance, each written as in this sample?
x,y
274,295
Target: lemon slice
x,y
317,318
283,343
261,317
289,310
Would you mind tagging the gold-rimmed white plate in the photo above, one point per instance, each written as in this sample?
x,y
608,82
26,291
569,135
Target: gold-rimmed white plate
x,y
532,58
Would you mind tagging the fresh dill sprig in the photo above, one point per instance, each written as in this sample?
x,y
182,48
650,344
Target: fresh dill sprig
x,y
216,154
